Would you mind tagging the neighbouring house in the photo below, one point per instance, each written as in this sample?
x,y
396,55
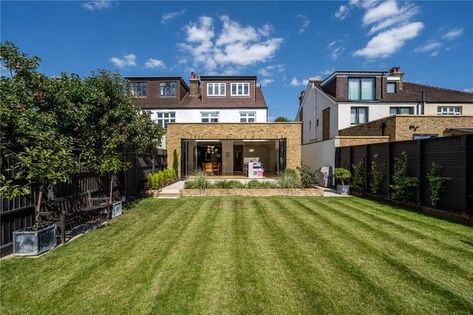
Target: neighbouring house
x,y
218,124
334,112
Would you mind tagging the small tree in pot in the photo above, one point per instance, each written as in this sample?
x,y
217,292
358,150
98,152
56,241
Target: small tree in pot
x,y
342,175
38,154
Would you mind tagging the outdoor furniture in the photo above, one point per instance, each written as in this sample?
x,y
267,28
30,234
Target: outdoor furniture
x,y
207,167
216,168
72,211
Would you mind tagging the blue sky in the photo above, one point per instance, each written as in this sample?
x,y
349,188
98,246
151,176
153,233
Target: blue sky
x,y
284,43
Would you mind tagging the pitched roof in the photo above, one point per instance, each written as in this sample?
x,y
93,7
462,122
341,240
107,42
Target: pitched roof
x,y
412,92
198,102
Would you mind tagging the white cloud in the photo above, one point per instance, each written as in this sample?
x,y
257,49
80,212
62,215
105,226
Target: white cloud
x,y
97,5
271,70
297,82
391,24
342,12
317,77
168,16
235,46
305,22
470,90
453,34
390,41
126,61
335,49
266,82
154,63
430,46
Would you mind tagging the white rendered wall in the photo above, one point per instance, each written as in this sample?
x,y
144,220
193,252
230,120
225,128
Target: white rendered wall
x,y
225,115
319,154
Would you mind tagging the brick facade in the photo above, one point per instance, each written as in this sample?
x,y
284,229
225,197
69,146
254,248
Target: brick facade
x,y
237,131
346,141
401,127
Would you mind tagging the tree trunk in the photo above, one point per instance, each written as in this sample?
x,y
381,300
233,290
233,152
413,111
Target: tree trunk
x,y
110,200
38,206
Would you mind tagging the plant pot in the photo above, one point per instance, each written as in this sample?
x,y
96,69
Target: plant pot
x,y
117,209
34,242
343,189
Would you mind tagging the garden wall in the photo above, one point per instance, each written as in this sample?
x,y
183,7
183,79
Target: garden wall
x,y
453,154
18,213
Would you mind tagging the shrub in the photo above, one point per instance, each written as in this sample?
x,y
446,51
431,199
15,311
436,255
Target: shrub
x,y
161,178
359,176
377,175
290,179
228,184
309,176
201,181
342,174
403,186
175,162
436,184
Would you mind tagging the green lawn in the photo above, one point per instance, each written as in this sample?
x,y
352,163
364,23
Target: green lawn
x,y
251,255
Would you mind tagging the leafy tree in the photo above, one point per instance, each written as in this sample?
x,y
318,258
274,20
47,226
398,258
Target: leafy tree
x,y
175,161
342,174
377,175
38,154
282,119
359,172
436,184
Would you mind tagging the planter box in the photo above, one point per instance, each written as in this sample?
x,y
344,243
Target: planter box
x,y
343,189
253,192
31,243
117,209
153,193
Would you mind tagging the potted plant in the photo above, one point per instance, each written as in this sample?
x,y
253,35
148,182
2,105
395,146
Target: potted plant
x,y
342,175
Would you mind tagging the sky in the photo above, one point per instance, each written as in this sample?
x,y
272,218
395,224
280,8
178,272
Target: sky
x,y
283,43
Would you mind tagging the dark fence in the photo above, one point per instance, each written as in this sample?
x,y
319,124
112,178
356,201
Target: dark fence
x,y
453,154
18,213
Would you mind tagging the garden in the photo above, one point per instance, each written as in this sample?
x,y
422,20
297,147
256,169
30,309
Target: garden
x,y
304,255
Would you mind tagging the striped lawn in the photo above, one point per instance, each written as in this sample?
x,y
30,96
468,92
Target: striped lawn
x,y
251,255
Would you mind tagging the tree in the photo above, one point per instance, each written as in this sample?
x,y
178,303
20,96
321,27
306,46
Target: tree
x,y
282,119
175,161
38,154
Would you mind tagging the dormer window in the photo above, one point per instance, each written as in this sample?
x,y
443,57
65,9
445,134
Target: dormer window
x,y
216,89
139,89
391,87
240,89
168,89
361,89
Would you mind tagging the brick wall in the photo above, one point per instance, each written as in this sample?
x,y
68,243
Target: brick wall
x,y
237,131
345,141
399,128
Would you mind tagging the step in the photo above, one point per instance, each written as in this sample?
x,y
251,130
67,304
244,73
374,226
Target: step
x,y
167,195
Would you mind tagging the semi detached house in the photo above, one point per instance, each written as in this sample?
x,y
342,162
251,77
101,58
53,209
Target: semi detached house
x,y
218,124
361,107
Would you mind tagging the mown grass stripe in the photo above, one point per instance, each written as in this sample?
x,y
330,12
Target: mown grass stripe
x,y
456,301
413,219
442,241
178,292
398,239
371,292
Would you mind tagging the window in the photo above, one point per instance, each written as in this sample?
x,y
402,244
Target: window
x,y
216,89
247,117
139,89
401,111
166,117
209,117
391,87
423,136
359,115
449,110
168,89
361,89
240,89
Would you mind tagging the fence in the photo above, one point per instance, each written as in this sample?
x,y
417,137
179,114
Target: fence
x,y
453,154
18,213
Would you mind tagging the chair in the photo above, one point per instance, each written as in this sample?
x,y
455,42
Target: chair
x,y
216,168
208,168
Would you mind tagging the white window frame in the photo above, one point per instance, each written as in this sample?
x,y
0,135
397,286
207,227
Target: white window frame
x,y
247,117
449,110
237,90
164,83
209,117
143,87
163,118
216,87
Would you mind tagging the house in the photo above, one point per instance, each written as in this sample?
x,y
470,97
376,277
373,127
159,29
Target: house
x,y
218,124
332,109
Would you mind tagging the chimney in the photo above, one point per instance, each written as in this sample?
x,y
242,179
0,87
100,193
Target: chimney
x,y
194,84
396,72
301,98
